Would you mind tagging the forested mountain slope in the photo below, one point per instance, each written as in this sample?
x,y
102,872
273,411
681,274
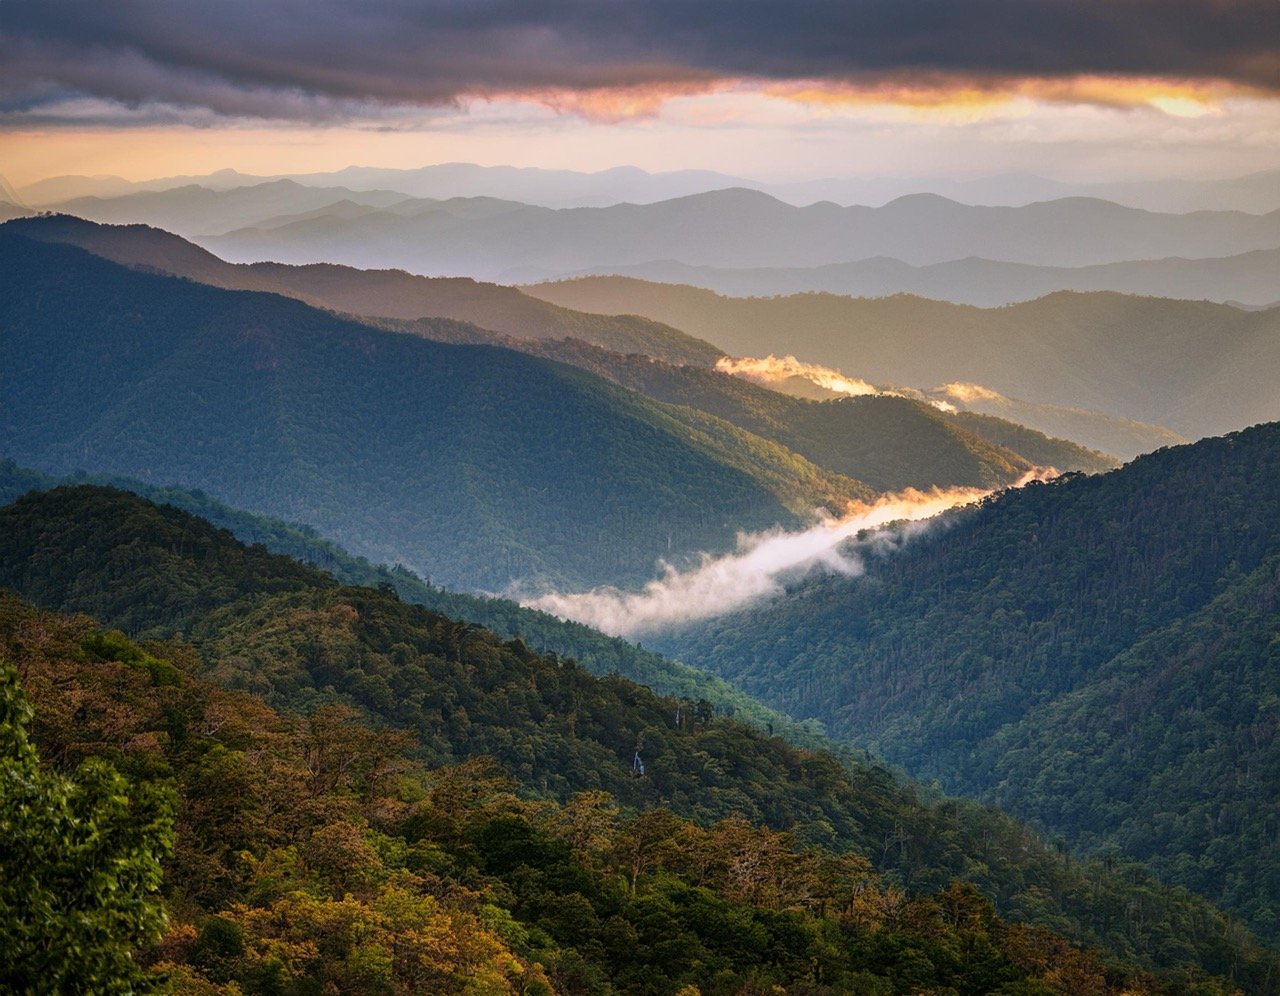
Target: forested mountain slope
x,y
910,447
306,646
381,293
475,465
886,441
1098,654
600,654
1194,367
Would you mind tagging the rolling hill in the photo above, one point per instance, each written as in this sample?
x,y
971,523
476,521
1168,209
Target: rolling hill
x,y
1097,654
477,466
1193,367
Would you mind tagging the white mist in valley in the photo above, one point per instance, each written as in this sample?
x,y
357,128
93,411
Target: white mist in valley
x,y
770,370
761,567
784,373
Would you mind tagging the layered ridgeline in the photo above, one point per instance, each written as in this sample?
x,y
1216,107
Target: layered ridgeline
x,y
1097,654
376,293
1191,366
491,238
887,444
1256,192
1247,278
475,465
889,441
305,845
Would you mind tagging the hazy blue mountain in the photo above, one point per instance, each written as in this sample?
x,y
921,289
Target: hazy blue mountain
x,y
198,210
476,465
1256,193
1193,367
9,211
744,228
1248,278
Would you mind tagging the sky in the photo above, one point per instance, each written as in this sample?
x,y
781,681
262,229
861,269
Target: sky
x,y
772,89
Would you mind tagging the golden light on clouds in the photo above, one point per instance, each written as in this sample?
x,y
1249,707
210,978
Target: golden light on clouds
x,y
967,99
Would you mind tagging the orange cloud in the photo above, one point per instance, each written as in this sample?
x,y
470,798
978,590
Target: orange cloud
x,y
1181,98
612,105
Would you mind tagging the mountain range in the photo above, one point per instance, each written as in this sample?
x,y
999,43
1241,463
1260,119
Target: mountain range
x,y
888,443
1255,193
375,293
1193,367
1248,278
489,238
733,228
495,466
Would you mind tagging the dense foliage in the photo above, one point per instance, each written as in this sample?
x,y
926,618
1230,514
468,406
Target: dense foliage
x,y
1097,654
312,856
593,650
282,634
476,465
80,857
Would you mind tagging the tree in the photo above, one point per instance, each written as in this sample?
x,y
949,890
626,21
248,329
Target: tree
x,y
79,865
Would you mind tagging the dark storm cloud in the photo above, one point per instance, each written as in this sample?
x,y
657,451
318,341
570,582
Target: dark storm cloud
x,y
317,59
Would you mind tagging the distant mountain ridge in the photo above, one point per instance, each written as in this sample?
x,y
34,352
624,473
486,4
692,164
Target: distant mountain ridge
x,y
1256,193
744,228
493,239
1251,278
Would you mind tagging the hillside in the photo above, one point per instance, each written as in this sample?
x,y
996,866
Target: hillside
x,y
379,293
890,443
1191,366
600,654
1096,654
1125,438
476,466
297,648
